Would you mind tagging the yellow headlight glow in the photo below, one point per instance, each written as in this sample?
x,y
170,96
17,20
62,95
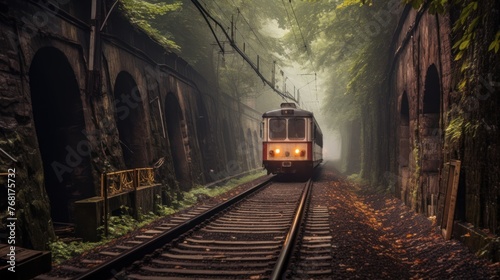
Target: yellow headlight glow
x,y
297,151
277,151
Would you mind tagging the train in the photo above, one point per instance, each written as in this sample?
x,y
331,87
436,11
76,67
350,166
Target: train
x,y
292,141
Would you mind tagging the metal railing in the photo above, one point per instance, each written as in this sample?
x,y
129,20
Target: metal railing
x,y
124,181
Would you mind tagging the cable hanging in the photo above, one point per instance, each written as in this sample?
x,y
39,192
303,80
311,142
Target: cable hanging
x,y
207,16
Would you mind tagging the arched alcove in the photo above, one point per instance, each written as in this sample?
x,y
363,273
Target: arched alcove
x,y
175,120
230,150
250,149
430,140
130,121
404,148
432,92
60,129
257,150
404,131
205,140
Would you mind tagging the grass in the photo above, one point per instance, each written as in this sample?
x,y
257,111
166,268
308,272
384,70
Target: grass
x,y
125,223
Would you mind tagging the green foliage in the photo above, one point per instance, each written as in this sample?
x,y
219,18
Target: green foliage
x,y
125,223
466,23
120,224
62,251
143,12
435,6
459,128
453,132
495,45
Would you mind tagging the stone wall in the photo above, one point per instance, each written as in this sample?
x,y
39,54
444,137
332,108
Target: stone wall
x,y
149,109
442,110
421,84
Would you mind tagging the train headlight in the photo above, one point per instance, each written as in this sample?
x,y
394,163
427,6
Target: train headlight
x,y
297,151
277,151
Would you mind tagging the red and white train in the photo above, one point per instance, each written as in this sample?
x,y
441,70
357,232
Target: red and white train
x,y
292,141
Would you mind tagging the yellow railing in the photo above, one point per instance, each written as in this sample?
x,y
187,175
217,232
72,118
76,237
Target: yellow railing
x,y
126,180
113,183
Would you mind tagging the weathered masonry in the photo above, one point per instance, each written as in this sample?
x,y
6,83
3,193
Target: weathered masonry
x,y
76,103
429,113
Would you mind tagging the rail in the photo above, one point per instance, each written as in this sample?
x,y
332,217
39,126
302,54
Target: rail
x,y
283,258
108,269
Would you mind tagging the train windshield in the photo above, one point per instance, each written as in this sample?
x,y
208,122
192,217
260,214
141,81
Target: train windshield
x,y
277,129
296,129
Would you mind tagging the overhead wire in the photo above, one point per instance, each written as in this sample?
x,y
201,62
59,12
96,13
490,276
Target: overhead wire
x,y
206,15
262,61
298,25
289,21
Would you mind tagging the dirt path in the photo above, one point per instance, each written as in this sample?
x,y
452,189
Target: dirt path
x,y
375,236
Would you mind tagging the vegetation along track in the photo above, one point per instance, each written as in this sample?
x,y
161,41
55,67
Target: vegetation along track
x,y
251,240
104,262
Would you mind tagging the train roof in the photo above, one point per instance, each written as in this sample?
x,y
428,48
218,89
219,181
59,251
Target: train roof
x,y
288,112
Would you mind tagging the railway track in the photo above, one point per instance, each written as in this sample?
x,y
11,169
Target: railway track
x,y
252,240
313,252
104,263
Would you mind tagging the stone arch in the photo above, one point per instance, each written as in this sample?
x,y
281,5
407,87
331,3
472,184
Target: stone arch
x,y
404,150
432,92
130,121
175,121
205,140
404,131
250,149
231,155
257,150
430,140
60,129
243,151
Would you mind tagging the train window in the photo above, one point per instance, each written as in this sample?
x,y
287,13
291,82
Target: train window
x,y
296,128
277,128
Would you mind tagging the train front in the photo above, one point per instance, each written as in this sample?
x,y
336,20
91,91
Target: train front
x,y
287,137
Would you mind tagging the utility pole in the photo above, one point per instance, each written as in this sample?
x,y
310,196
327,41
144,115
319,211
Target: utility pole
x,y
94,77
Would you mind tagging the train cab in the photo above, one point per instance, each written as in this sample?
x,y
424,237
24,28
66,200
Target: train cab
x,y
292,141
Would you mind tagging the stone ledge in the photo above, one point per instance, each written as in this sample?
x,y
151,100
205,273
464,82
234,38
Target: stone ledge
x,y
480,243
28,263
89,212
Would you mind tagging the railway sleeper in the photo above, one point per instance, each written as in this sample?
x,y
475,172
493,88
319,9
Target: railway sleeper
x,y
199,257
222,253
217,265
316,251
253,228
223,248
308,273
315,258
243,231
252,219
206,272
234,242
249,222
